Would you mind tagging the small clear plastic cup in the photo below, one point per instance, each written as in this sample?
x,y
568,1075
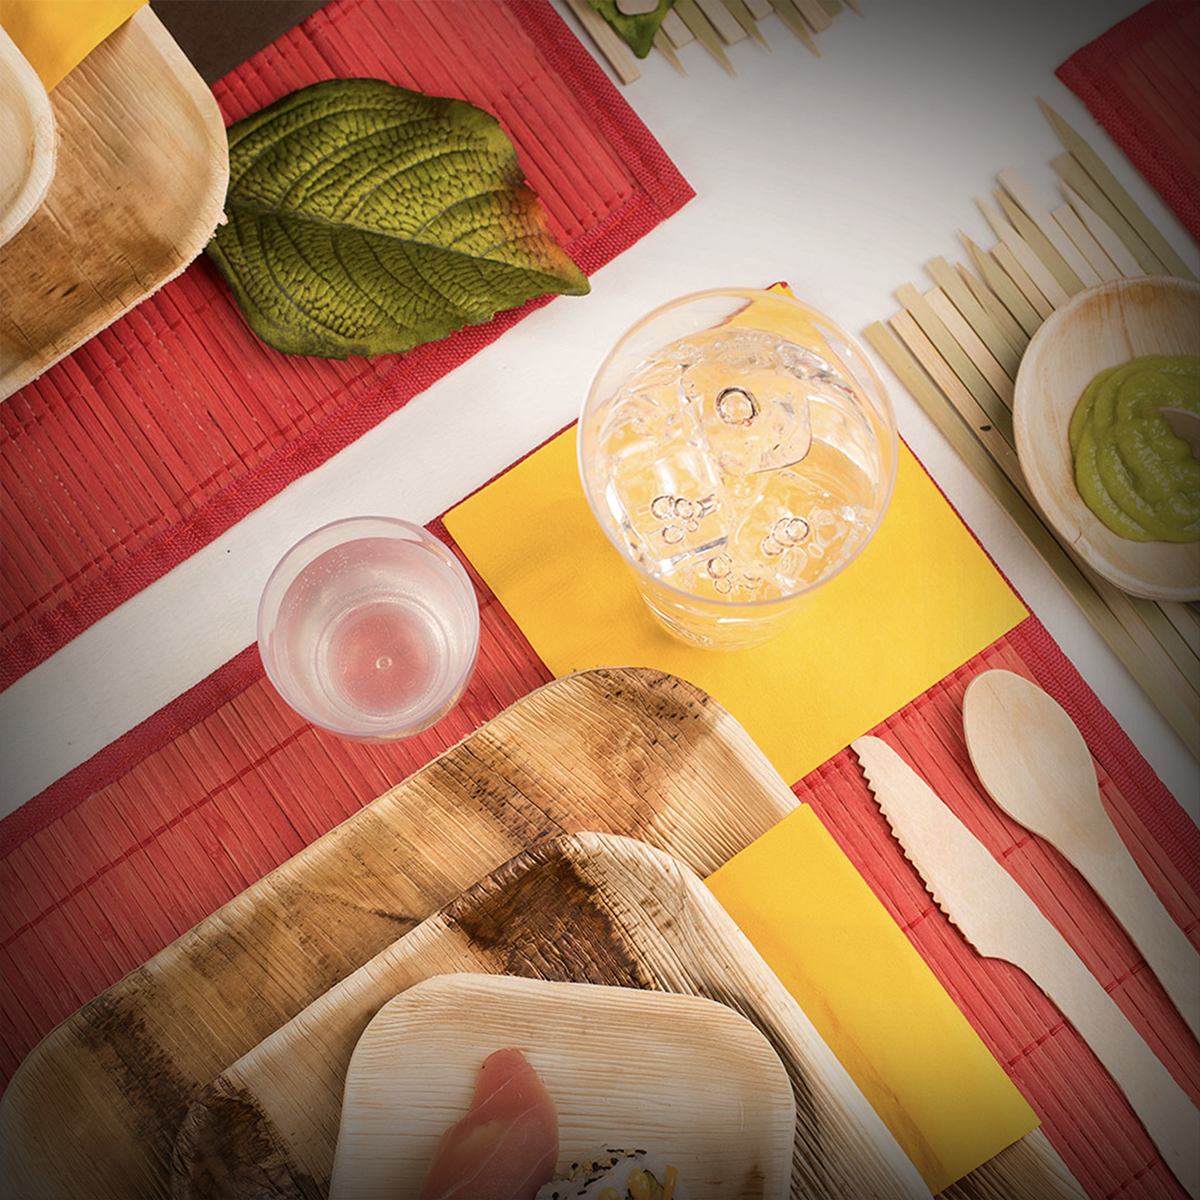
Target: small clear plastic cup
x,y
739,451
369,627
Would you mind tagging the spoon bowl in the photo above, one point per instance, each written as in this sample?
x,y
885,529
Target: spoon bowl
x,y
1034,763
1098,328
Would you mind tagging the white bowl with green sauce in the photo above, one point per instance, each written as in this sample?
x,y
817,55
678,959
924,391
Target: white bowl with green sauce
x,y
1122,493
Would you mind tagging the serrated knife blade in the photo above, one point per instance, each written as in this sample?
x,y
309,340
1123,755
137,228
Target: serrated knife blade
x,y
1001,921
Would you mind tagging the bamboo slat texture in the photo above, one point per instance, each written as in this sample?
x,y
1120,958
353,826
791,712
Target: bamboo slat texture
x,y
716,25
615,891
175,421
957,348
192,828
136,118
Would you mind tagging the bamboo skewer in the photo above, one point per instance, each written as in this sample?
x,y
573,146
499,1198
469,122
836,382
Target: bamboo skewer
x,y
814,14
1068,220
1082,184
959,329
619,56
1003,348
662,44
1009,294
1044,250
972,379
745,18
790,16
957,348
678,33
1005,321
1104,234
1027,200
1107,182
690,13
727,26
981,421
715,24
1044,285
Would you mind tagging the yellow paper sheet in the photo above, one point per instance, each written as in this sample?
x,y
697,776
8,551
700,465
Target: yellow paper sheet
x,y
57,35
920,601
873,999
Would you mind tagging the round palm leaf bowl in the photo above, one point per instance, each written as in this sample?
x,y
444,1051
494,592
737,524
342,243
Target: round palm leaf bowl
x,y
1102,327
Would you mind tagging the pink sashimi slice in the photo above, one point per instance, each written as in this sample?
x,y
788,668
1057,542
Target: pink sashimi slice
x,y
506,1146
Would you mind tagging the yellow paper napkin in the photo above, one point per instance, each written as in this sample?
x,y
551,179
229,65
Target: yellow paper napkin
x,y
920,600
57,35
873,999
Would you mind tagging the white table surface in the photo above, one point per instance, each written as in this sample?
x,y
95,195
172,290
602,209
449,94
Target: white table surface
x,y
841,174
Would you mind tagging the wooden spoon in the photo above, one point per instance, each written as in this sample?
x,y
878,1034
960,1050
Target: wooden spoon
x,y
1035,764
1184,424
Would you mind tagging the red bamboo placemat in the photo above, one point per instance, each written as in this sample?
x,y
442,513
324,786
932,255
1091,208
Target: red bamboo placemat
x,y
175,422
130,850
1140,81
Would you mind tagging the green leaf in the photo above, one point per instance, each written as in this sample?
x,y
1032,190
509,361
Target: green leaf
x,y
364,218
636,31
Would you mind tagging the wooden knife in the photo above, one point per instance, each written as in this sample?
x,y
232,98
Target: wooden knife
x,y
1001,921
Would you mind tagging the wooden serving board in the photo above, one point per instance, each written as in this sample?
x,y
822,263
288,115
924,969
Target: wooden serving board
x,y
95,1110
587,908
139,186
623,1066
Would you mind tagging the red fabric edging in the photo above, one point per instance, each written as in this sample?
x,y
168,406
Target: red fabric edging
x,y
172,424
1139,80
129,851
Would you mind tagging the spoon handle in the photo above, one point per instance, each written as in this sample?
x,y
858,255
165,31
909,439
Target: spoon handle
x,y
1119,882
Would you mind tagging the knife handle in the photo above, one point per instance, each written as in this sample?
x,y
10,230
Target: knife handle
x,y
1117,879
1165,1110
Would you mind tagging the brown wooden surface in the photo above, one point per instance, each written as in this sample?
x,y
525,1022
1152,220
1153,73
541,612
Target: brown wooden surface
x,y
96,1109
587,908
139,186
707,1091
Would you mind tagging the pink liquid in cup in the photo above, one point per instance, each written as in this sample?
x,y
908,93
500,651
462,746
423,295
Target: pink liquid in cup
x,y
369,627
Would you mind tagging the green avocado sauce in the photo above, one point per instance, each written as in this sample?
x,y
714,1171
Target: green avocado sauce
x,y
1131,470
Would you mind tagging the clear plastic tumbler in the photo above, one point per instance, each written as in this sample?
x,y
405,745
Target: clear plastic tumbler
x,y
739,451
369,627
